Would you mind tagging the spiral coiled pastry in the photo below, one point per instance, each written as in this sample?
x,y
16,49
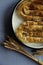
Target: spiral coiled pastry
x,y
30,11
32,29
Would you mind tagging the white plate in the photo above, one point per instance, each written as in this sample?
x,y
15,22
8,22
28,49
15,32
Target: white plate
x,y
16,21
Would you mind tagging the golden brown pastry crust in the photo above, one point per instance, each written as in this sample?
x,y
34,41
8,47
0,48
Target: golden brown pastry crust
x,y
30,35
30,11
38,1
32,29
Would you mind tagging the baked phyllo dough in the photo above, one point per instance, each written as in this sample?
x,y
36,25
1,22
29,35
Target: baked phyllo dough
x,y
30,31
38,1
29,10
